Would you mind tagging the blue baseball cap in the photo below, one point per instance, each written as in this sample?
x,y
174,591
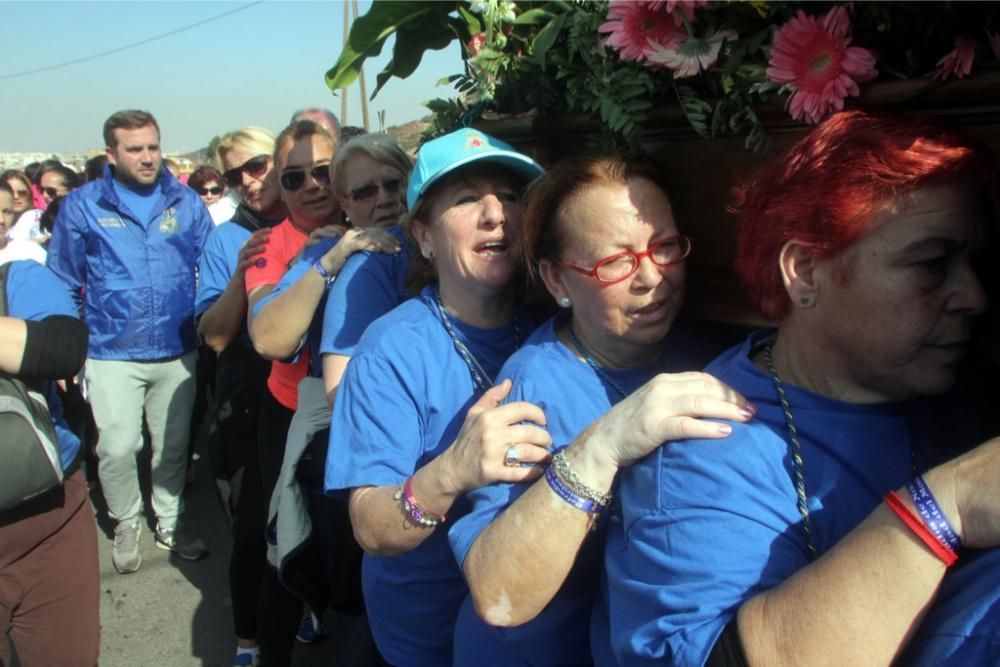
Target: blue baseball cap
x,y
444,155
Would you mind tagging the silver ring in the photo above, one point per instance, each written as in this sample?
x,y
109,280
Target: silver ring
x,y
510,458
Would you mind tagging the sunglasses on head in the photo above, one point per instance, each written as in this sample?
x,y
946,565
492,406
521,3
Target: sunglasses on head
x,y
255,167
214,190
293,177
370,190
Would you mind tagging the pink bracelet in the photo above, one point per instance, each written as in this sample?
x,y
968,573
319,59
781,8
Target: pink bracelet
x,y
412,508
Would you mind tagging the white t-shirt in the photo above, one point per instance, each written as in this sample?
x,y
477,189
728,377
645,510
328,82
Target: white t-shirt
x,y
27,227
19,249
223,210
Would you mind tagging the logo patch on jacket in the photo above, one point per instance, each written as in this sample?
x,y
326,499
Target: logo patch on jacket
x,y
168,221
110,222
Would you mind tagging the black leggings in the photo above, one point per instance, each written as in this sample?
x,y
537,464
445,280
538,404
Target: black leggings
x,y
249,558
278,610
239,385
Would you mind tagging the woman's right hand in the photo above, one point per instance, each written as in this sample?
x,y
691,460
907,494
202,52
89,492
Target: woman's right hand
x,y
251,248
671,406
968,490
476,457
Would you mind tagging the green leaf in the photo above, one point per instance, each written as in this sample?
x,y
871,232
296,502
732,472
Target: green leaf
x,y
533,17
545,39
471,20
425,32
369,32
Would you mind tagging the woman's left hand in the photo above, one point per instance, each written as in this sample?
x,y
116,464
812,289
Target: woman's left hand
x,y
372,239
478,455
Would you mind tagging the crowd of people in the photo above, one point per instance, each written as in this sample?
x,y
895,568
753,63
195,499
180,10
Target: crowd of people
x,y
454,404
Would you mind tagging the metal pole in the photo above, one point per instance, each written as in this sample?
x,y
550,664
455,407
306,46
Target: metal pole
x,y
361,80
343,91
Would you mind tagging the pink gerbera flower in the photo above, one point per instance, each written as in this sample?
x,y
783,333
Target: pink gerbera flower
x,y
813,56
958,61
632,25
692,56
679,9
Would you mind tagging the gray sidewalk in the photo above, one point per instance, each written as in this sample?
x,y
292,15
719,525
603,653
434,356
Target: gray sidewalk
x,y
174,612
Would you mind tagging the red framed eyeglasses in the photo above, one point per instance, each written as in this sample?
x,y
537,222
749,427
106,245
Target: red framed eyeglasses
x,y
622,265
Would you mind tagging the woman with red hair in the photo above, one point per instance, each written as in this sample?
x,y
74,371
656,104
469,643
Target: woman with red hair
x,y
821,531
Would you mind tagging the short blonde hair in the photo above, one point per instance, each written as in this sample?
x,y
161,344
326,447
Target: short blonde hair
x,y
251,140
380,147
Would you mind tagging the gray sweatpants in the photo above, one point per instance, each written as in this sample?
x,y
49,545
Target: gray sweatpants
x,y
120,392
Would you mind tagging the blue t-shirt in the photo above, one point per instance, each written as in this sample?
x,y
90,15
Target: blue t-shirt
x,y
217,265
369,286
708,524
548,374
963,625
401,402
139,201
34,293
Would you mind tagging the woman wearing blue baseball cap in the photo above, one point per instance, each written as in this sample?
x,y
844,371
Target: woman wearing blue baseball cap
x,y
416,423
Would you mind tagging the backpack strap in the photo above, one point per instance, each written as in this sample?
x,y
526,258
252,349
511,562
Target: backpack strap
x,y
4,270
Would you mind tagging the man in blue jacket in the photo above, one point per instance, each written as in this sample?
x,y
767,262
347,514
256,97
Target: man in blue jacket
x,y
127,246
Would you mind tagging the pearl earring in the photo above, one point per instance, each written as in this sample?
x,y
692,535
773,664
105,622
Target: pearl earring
x,y
427,253
565,302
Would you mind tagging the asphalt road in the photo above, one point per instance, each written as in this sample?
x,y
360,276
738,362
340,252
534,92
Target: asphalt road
x,y
172,612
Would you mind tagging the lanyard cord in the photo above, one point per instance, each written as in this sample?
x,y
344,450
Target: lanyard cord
x,y
479,376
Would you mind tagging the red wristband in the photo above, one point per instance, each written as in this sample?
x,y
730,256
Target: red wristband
x,y
916,524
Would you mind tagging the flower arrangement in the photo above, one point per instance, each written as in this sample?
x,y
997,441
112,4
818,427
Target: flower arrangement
x,y
718,60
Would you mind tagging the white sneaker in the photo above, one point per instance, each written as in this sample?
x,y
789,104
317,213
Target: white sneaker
x,y
125,554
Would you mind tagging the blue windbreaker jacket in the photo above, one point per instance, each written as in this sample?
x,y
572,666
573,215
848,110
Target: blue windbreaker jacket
x,y
134,279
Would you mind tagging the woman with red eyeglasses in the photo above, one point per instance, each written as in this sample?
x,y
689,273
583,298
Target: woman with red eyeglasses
x,y
601,236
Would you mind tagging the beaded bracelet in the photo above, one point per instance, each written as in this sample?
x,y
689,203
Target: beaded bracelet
x,y
932,515
323,273
586,504
413,510
913,522
561,466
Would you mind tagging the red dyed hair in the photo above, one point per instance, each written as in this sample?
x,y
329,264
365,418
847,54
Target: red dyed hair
x,y
827,190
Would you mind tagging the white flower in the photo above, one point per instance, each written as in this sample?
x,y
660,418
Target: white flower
x,y
693,56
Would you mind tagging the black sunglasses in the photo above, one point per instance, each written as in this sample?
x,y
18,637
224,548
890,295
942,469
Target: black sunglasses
x,y
51,192
293,178
215,190
368,191
255,166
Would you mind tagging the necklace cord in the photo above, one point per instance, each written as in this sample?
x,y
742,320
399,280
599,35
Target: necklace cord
x,y
479,376
793,439
593,364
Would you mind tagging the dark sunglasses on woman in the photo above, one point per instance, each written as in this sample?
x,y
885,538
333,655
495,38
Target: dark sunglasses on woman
x,y
255,167
293,177
371,189
214,190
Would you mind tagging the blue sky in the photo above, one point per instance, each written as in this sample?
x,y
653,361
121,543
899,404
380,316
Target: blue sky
x,y
254,67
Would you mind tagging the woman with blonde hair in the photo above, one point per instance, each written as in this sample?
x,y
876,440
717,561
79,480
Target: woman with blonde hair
x,y
221,306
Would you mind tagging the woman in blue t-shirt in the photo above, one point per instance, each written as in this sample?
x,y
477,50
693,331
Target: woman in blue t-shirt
x,y
601,234
401,443
823,531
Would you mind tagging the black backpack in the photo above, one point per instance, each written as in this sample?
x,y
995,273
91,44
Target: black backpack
x,y
31,464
